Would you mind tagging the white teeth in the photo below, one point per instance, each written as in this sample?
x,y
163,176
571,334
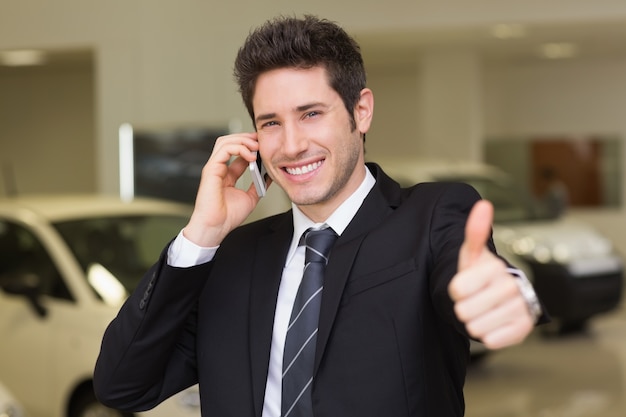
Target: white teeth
x,y
304,169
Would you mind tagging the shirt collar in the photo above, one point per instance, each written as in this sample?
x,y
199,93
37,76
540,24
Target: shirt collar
x,y
338,220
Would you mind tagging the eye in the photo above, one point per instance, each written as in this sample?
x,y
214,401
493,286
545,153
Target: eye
x,y
269,124
312,113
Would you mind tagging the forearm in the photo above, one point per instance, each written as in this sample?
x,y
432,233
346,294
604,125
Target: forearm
x,y
148,350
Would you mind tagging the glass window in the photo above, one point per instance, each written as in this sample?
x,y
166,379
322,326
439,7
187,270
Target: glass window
x,y
25,261
563,171
115,252
510,203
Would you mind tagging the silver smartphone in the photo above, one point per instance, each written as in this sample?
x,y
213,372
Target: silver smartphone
x,y
258,172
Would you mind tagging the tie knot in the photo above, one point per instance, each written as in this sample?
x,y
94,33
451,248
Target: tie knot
x,y
318,244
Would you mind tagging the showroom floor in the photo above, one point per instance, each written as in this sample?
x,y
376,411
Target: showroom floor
x,y
577,375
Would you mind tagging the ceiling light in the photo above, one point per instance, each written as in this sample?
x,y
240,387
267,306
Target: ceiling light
x,y
22,57
559,50
508,31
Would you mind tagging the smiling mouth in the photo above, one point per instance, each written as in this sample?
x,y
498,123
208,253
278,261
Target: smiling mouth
x,y
305,169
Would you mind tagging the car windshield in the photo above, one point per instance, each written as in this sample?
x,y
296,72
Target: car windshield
x,y
511,204
116,251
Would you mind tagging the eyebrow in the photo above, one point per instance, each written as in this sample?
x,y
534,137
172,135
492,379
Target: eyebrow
x,y
309,106
304,107
263,117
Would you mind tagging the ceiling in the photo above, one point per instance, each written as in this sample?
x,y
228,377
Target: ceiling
x,y
593,40
402,47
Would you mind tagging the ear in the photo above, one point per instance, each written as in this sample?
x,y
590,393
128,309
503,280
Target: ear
x,y
364,110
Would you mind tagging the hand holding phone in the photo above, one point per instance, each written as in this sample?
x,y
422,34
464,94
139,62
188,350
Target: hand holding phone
x,y
258,172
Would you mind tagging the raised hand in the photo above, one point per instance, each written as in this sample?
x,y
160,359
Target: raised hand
x,y
220,206
486,297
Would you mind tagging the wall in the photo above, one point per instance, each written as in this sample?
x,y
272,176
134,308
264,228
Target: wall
x,y
160,62
564,98
395,127
47,130
170,62
521,100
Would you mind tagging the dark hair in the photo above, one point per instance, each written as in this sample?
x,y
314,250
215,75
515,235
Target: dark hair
x,y
289,42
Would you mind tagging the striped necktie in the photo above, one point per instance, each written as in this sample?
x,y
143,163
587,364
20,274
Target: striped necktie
x,y
299,352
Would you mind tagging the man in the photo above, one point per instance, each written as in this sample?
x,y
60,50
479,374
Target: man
x,y
407,281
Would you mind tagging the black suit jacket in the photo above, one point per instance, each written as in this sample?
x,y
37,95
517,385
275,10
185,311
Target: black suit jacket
x,y
388,343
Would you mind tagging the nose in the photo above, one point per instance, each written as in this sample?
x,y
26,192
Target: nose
x,y
294,141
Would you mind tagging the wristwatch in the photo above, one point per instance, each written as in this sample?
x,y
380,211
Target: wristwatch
x,y
528,293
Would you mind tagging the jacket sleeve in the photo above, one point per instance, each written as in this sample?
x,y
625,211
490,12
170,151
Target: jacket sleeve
x,y
148,350
450,212
447,234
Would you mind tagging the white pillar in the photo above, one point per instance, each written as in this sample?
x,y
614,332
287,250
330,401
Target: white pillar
x,y
117,103
450,105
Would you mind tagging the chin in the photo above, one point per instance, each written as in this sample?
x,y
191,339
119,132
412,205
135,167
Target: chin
x,y
304,199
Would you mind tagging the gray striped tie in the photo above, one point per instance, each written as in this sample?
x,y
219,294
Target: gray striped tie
x,y
299,351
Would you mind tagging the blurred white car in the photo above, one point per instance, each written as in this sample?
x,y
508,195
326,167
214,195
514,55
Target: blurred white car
x,y
66,265
575,269
9,407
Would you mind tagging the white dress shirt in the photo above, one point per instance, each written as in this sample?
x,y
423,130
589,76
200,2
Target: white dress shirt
x,y
184,253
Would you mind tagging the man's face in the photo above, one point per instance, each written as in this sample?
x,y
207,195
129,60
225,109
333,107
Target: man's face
x,y
306,139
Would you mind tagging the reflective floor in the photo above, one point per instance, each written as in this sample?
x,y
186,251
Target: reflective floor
x,y
576,375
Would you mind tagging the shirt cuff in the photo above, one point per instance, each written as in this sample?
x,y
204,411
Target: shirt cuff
x,y
528,293
183,253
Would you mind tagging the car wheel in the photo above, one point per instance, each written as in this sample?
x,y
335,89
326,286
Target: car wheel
x,y
88,406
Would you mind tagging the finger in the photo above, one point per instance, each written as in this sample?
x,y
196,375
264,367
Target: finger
x,y
222,165
238,166
477,233
241,144
478,311
480,300
480,275
512,333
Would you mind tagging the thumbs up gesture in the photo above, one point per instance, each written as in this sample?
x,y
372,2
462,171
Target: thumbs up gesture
x,y
486,297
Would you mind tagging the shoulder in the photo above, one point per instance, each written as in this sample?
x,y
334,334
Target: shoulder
x,y
250,232
455,190
454,194
437,203
424,193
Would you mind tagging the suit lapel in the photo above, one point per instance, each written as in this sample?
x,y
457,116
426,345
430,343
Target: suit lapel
x,y
376,206
270,258
268,266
